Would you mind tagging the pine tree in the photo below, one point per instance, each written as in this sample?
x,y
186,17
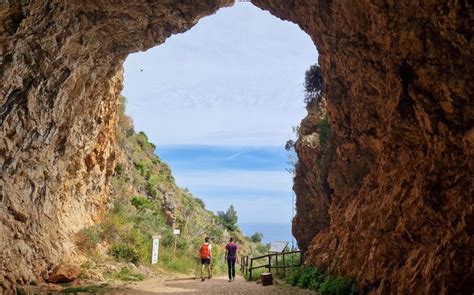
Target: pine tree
x,y
229,218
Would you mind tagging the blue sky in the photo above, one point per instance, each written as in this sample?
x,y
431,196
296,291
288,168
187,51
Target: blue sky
x,y
219,101
252,178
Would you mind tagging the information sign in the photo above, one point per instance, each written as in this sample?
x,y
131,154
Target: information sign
x,y
278,246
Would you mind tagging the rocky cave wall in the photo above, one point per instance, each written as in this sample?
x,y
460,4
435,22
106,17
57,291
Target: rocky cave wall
x,y
398,82
398,215
61,74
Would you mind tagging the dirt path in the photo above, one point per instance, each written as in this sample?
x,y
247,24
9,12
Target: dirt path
x,y
217,285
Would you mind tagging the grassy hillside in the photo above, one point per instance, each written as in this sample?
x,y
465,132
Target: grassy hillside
x,y
146,201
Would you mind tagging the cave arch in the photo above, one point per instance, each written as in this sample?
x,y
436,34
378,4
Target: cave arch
x,y
402,205
229,85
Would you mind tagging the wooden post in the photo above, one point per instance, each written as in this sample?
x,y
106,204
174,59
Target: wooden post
x,y
251,265
174,249
246,265
276,263
284,268
176,232
269,263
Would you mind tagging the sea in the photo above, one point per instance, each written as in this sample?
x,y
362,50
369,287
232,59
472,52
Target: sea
x,y
271,231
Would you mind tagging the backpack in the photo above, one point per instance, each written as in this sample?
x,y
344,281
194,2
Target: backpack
x,y
204,251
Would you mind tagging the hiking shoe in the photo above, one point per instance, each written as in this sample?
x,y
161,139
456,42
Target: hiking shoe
x,y
230,280
202,279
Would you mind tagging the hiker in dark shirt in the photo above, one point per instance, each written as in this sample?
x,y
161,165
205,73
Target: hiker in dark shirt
x,y
231,257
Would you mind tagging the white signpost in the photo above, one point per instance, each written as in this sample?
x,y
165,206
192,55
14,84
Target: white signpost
x,y
156,247
176,233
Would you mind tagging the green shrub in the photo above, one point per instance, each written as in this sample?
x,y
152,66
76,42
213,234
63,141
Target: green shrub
x,y
311,277
141,203
307,274
317,279
124,252
179,262
324,130
216,233
92,289
167,238
150,186
262,248
200,202
294,277
118,169
147,175
126,274
142,140
142,167
334,285
165,173
256,237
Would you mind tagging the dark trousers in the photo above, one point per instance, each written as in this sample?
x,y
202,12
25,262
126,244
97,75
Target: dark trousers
x,y
231,267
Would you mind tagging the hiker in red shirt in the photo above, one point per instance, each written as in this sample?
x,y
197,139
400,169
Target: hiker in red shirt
x,y
205,254
231,257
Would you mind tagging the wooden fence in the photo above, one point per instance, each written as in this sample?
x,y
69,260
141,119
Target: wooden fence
x,y
271,261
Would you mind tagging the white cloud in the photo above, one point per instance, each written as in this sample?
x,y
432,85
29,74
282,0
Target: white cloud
x,y
235,180
237,125
233,79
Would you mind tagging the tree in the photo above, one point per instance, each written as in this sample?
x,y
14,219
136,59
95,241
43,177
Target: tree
x,y
313,84
229,218
290,145
257,237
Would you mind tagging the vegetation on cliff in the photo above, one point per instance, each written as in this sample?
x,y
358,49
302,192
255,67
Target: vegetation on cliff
x,y
313,84
312,278
146,201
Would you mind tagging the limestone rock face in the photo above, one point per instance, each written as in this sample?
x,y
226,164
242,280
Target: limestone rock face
x,y
398,82
61,74
312,214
